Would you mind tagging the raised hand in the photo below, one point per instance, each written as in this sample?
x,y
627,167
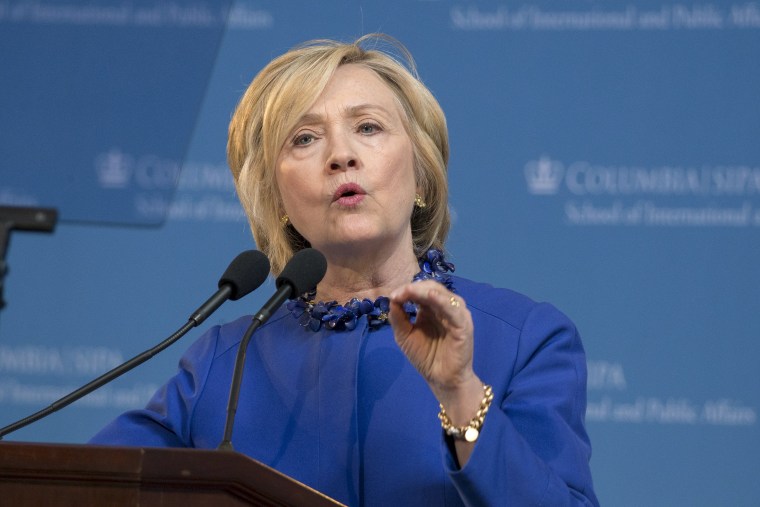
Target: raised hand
x,y
439,344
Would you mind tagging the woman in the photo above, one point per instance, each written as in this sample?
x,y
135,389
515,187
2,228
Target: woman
x,y
344,150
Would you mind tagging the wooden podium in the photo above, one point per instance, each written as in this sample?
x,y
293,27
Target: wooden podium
x,y
85,475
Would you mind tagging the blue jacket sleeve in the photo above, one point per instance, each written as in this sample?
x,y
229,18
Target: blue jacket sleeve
x,y
533,448
165,421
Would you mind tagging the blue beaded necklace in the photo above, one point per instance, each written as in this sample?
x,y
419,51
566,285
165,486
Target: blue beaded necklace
x,y
332,315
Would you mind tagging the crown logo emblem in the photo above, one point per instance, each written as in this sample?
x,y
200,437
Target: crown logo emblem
x,y
544,175
114,169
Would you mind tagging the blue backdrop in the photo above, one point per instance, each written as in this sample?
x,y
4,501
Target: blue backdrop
x,y
605,157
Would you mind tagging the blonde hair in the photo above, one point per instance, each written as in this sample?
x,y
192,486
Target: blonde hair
x,y
283,92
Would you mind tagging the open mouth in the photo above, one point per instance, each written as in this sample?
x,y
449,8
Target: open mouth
x,y
349,193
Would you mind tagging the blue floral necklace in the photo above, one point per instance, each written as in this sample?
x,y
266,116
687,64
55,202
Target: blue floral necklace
x,y
313,315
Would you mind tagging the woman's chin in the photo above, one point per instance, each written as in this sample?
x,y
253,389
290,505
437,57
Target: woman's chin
x,y
356,241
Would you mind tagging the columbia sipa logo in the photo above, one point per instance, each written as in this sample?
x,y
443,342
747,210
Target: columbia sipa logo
x,y
114,169
544,175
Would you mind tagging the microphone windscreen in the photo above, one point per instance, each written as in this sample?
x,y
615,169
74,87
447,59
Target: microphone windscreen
x,y
303,271
245,273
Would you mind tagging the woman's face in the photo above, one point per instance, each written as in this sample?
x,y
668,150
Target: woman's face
x,y
346,172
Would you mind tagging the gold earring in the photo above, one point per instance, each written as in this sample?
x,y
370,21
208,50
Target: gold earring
x,y
418,201
284,220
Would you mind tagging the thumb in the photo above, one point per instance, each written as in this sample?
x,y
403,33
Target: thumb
x,y
399,321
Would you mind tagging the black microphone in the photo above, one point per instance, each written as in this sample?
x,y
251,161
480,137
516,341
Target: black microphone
x,y
301,274
245,273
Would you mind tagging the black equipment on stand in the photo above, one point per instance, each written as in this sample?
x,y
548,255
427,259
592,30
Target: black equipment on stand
x,y
17,218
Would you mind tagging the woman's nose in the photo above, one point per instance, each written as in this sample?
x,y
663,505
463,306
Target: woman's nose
x,y
342,154
343,164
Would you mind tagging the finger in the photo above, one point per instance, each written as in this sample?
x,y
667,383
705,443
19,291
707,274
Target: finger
x,y
399,320
449,308
433,299
418,292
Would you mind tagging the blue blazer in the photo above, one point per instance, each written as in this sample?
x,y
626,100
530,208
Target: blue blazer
x,y
345,412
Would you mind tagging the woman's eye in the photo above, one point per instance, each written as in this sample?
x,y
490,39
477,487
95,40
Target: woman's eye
x,y
369,128
303,139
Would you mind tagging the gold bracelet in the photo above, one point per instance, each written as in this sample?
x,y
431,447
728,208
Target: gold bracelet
x,y
471,430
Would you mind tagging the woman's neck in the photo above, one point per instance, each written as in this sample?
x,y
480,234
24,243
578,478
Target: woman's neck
x,y
366,276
